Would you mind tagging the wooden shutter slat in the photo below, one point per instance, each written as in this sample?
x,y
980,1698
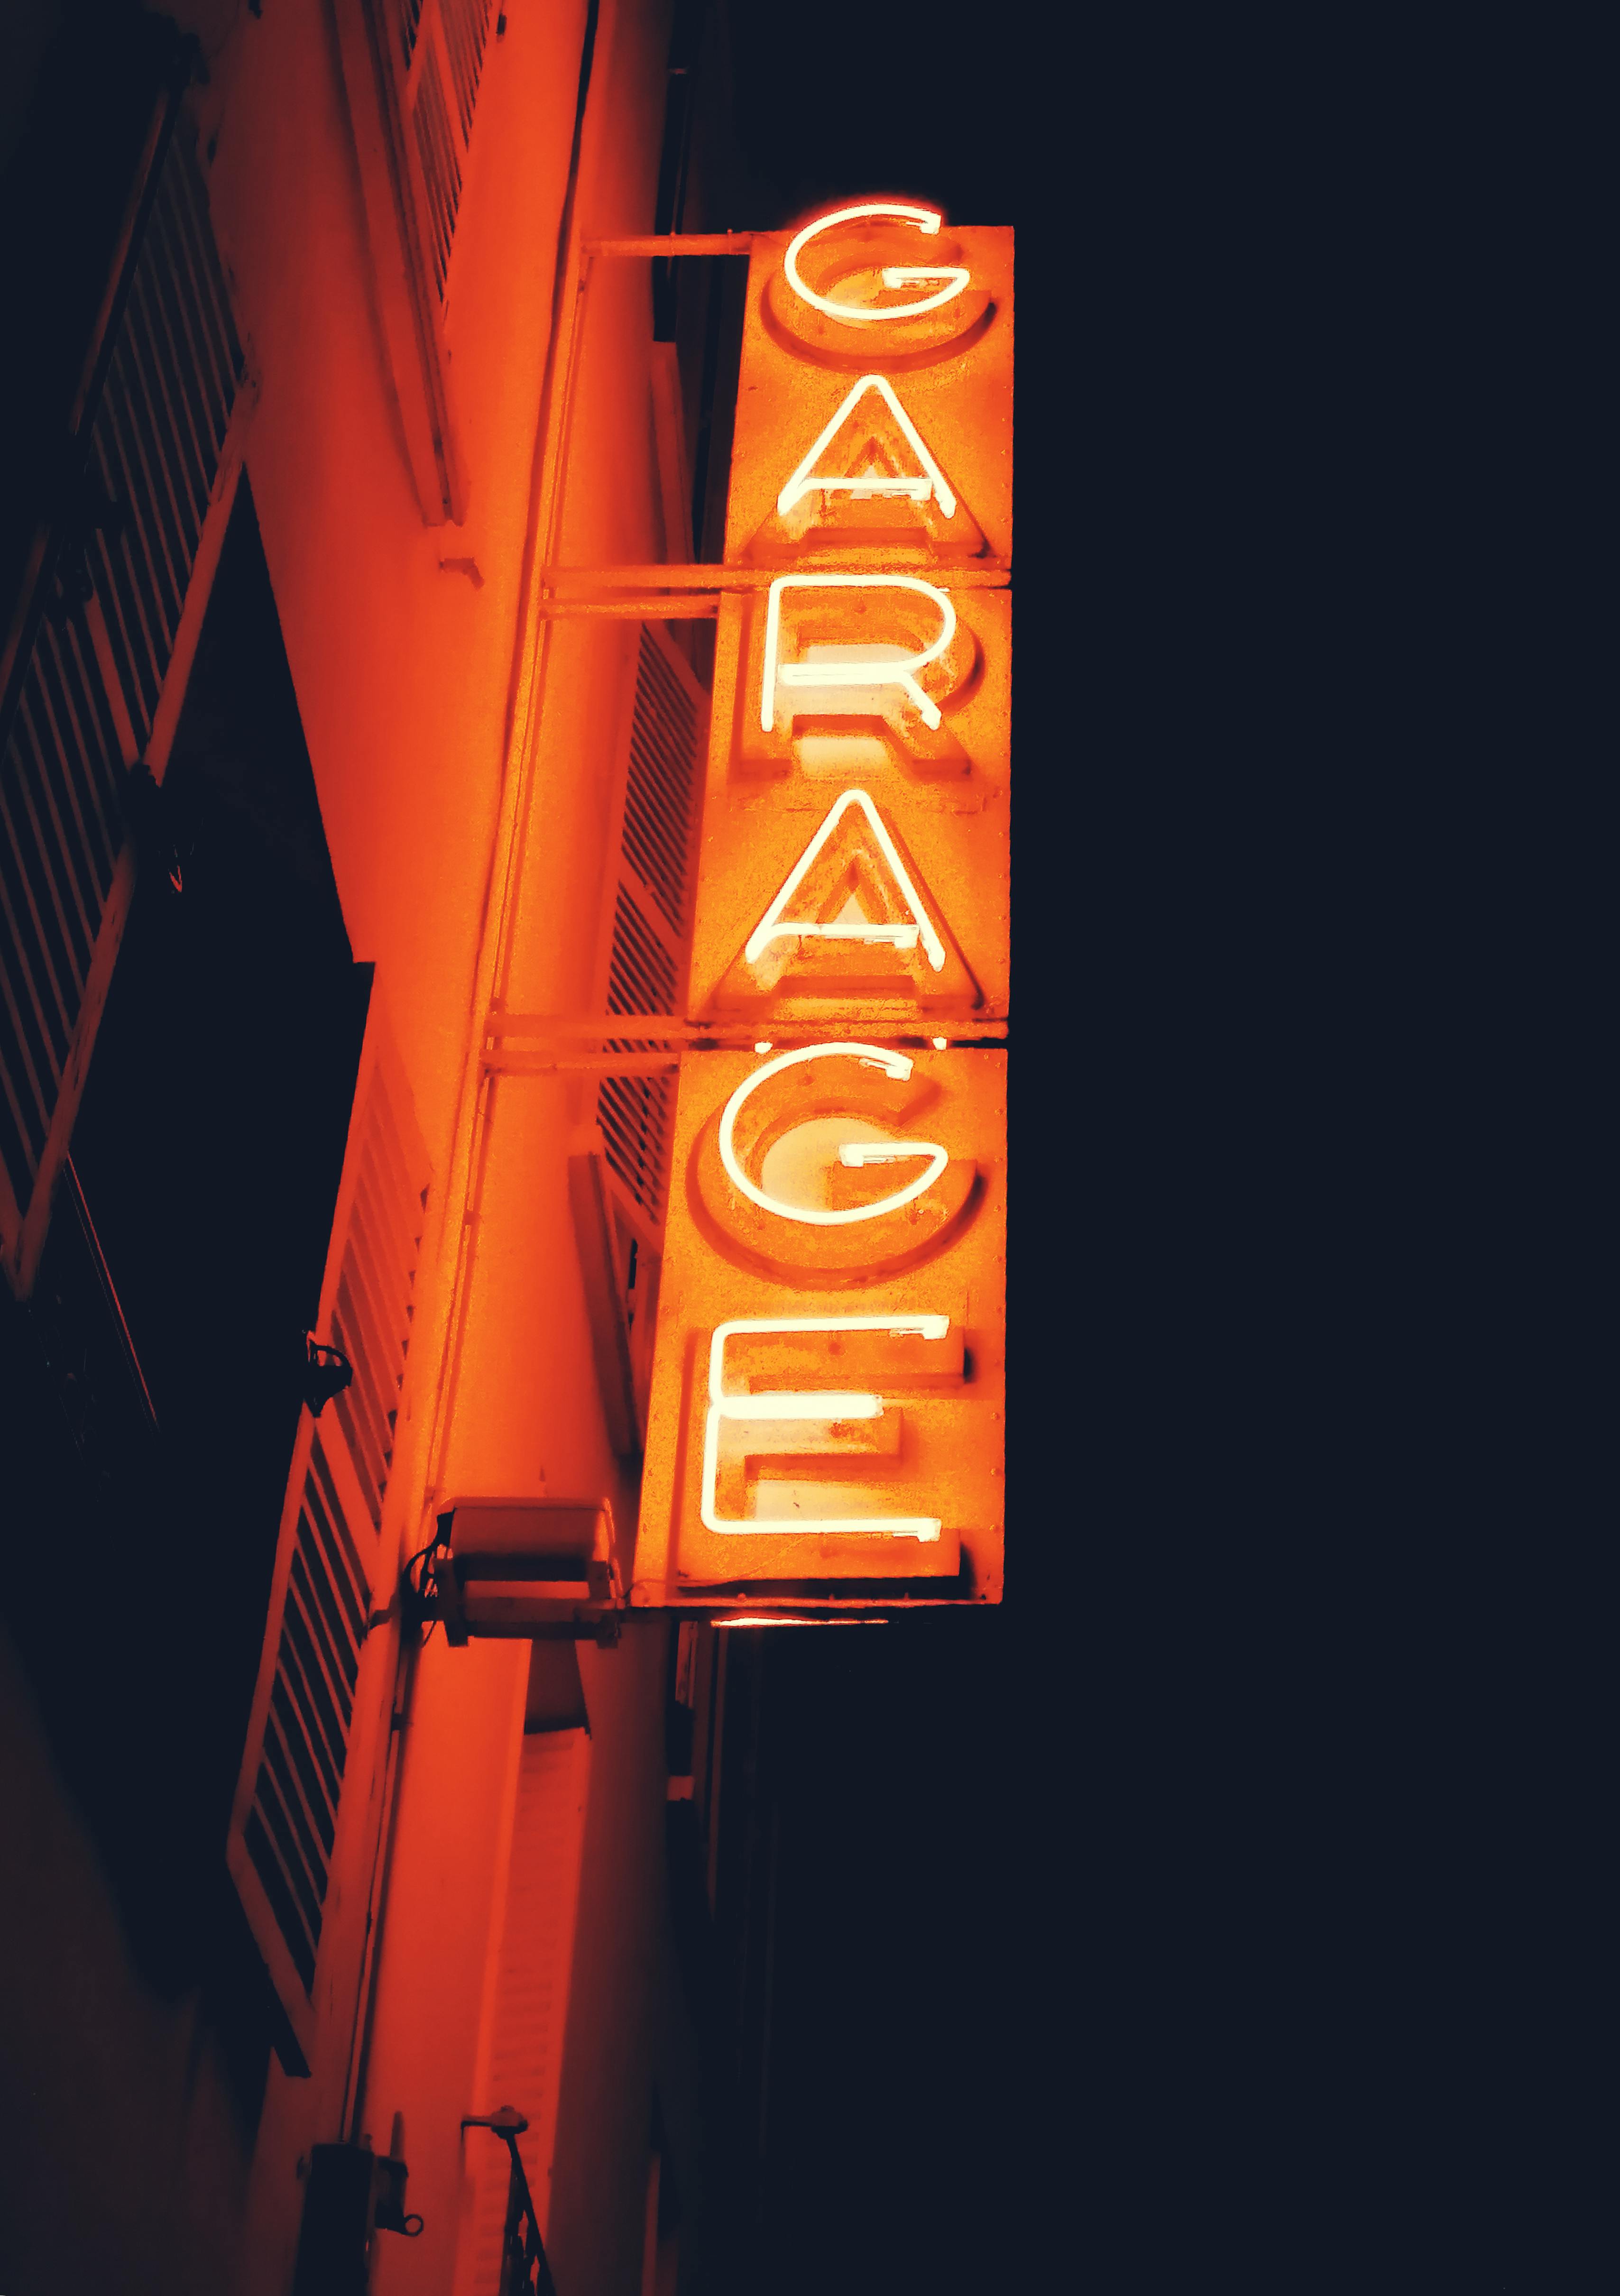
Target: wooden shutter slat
x,y
156,437
316,1697
650,943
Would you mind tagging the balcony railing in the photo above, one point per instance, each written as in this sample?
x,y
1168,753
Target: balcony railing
x,y
524,2271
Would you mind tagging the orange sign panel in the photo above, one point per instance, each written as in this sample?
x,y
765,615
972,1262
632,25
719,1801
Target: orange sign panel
x,y
828,1396
883,838
827,1416
891,440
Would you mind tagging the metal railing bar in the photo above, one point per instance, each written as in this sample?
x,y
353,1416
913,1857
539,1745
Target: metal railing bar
x,y
625,1065
676,242
649,1026
993,574
631,609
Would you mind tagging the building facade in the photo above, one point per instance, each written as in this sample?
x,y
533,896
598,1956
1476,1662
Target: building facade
x,y
387,1860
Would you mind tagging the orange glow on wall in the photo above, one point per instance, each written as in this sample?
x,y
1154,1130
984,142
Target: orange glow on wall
x,y
827,1414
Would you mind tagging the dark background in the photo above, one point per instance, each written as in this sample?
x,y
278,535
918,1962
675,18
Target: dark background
x,y
1209,1914
1204,1917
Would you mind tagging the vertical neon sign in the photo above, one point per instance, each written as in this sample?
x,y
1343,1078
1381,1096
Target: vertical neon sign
x,y
828,1403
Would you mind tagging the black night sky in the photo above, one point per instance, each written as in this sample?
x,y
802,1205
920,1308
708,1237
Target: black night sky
x,y
1158,1932
1204,1918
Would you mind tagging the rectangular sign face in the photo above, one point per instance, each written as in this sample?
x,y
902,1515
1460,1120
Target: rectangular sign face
x,y
822,821
927,400
828,1413
829,1400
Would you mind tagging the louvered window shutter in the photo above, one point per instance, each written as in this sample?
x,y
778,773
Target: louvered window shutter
x,y
652,921
323,1687
441,50
411,70
521,2051
99,660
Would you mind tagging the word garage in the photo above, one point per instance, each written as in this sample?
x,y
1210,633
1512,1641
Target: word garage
x,y
826,1424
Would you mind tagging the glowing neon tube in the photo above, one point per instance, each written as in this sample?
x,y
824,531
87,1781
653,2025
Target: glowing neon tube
x,y
870,670
774,926
854,314
828,1406
851,1155
807,481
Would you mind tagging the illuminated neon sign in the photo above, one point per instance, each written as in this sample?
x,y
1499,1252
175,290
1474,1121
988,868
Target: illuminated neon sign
x,y
807,480
820,1408
918,926
848,667
852,1155
856,314
827,1414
